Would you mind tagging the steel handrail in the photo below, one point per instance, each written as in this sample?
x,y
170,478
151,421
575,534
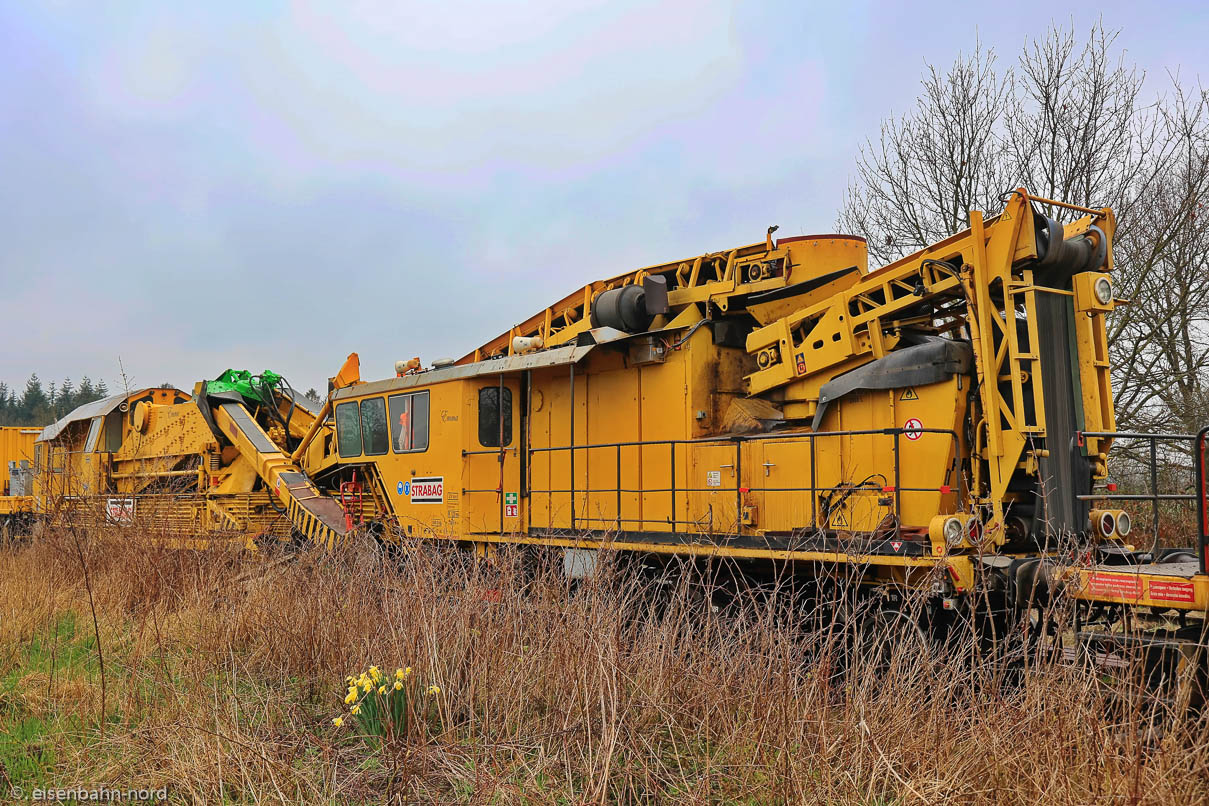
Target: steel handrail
x,y
739,488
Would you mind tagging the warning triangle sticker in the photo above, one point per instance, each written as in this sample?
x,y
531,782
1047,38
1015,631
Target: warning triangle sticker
x,y
910,394
839,520
896,544
1005,216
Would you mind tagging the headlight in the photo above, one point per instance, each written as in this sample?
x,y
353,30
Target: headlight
x,y
1103,290
1108,524
954,532
1124,524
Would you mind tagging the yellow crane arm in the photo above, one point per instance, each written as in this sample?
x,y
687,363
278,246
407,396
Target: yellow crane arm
x,y
316,516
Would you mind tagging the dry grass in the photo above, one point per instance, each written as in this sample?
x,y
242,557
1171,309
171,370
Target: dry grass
x,y
223,672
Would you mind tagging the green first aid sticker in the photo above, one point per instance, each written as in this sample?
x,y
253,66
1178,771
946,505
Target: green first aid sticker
x,y
510,499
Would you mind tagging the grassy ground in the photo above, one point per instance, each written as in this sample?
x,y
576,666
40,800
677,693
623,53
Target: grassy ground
x,y
218,675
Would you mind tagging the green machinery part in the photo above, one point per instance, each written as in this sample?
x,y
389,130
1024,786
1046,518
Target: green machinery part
x,y
252,387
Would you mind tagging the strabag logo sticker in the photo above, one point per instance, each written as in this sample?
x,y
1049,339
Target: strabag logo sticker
x,y
426,491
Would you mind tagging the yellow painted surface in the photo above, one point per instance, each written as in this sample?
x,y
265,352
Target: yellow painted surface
x,y
16,445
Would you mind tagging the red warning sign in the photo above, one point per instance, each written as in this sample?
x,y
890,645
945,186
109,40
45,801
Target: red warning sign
x,y
1118,586
1172,590
913,429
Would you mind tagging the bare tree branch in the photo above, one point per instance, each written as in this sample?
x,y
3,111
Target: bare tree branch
x,y
1070,121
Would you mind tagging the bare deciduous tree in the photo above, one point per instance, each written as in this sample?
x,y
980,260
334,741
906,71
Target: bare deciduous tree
x,y
1071,122
917,184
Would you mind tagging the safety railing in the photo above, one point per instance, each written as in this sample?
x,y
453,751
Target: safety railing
x,y
1149,460
678,448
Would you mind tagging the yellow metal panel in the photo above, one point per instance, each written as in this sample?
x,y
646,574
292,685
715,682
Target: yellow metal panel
x,y
16,445
713,481
780,466
664,416
613,416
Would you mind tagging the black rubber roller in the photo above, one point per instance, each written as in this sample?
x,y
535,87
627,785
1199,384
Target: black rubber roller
x,y
1058,258
622,308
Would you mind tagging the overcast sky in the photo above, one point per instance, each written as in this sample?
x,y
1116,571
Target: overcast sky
x,y
273,185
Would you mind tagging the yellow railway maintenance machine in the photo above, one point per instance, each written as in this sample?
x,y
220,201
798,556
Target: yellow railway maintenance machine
x,y
780,403
16,473
938,423
190,468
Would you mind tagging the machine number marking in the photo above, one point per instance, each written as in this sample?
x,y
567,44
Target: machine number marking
x,y
913,429
713,478
1172,591
511,508
427,490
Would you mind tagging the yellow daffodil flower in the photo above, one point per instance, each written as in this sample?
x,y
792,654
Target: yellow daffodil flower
x,y
399,674
351,698
381,689
398,685
356,709
338,721
434,689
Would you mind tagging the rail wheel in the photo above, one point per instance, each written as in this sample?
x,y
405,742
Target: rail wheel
x,y
893,639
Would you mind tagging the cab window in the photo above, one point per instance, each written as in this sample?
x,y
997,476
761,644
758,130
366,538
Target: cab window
x,y
490,412
348,429
94,431
409,422
373,426
113,433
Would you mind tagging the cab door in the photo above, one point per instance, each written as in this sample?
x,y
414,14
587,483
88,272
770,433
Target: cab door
x,y
491,471
86,465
